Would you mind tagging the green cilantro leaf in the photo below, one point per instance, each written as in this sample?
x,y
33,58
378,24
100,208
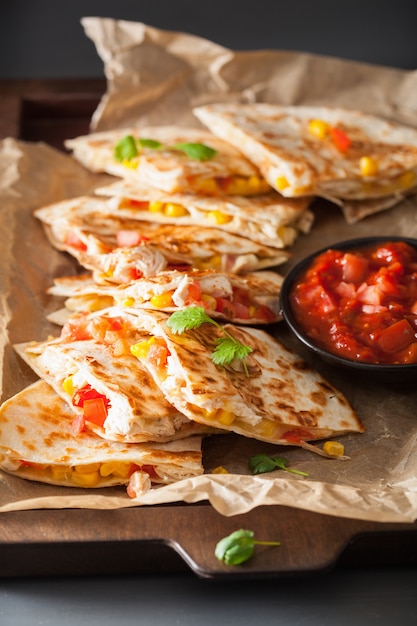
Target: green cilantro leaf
x,y
196,151
125,149
262,463
239,546
150,143
189,318
227,348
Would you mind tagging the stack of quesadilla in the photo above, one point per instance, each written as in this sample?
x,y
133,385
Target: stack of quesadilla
x,y
343,155
128,376
126,393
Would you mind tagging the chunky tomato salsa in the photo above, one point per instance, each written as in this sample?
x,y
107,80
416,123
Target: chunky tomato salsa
x,y
361,304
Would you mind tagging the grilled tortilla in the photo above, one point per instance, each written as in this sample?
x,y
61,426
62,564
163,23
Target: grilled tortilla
x,y
269,219
87,228
335,153
91,361
37,443
249,299
158,156
278,400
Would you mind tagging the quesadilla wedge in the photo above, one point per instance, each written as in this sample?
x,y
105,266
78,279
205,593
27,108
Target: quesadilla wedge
x,y
37,443
269,219
255,387
119,250
109,391
330,152
170,158
249,299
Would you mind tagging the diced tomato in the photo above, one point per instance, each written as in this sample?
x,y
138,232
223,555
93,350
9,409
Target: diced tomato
x,y
370,294
295,436
135,274
74,241
76,329
346,290
78,424
95,410
397,336
87,393
355,268
180,267
409,354
158,355
264,314
149,469
226,307
241,311
129,238
194,292
130,203
340,139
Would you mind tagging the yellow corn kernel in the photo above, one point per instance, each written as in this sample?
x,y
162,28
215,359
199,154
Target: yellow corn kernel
x,y
85,480
162,301
219,470
155,207
318,128
68,385
334,448
238,186
267,428
87,468
225,417
97,304
282,183
219,217
140,350
208,185
254,183
131,164
128,302
252,310
210,301
406,180
368,166
116,468
214,262
109,273
59,472
175,210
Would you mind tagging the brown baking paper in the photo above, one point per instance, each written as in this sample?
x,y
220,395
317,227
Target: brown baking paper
x,y
156,77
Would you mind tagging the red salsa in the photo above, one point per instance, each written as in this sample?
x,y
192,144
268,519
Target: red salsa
x,y
361,304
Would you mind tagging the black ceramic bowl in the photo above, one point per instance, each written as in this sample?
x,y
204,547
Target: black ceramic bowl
x,y
394,372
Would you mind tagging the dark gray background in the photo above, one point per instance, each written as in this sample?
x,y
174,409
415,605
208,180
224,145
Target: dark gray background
x,y
44,38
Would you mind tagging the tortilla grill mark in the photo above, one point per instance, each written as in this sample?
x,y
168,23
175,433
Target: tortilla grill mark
x,y
20,429
29,445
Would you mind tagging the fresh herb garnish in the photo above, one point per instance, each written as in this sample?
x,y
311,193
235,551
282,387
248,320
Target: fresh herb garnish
x,y
196,151
227,348
262,463
239,547
150,143
126,148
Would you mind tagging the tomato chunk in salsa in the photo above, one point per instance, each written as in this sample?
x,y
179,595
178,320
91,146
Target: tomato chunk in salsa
x,y
361,304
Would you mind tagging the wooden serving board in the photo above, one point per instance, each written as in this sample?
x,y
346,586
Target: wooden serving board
x,y
165,538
